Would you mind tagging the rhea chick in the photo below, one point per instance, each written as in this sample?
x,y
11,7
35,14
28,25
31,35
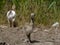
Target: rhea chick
x,y
29,28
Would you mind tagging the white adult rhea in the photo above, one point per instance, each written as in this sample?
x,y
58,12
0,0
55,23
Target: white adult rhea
x,y
11,17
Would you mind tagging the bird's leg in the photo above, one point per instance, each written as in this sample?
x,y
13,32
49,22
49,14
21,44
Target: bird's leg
x,y
32,20
12,23
29,37
8,23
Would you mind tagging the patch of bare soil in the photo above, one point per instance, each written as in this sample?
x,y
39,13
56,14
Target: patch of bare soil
x,y
17,36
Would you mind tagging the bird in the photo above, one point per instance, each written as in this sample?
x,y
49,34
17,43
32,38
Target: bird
x,y
11,14
29,28
56,25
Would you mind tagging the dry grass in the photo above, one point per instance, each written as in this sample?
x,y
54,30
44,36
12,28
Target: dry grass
x,y
46,13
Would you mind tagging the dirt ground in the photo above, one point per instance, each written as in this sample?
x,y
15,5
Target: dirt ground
x,y
17,36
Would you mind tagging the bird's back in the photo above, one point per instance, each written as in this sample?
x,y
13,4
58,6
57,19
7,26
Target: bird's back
x,y
11,14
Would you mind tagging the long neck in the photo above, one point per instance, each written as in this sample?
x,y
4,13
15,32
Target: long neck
x,y
32,23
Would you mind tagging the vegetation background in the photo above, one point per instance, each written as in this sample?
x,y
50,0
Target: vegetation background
x,y
46,11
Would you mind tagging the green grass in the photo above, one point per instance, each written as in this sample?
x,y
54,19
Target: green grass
x,y
46,12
